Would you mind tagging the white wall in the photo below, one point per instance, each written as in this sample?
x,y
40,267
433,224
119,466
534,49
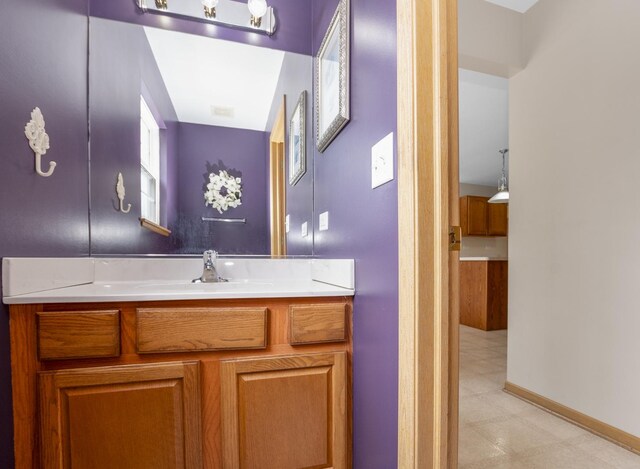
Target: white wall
x,y
482,246
489,38
574,272
483,126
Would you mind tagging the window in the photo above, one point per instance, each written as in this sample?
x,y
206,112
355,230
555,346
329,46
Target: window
x,y
149,164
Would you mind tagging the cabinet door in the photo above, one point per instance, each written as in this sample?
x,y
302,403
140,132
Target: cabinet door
x,y
134,417
497,222
285,412
473,214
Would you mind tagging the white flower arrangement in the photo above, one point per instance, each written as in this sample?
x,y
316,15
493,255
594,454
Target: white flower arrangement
x,y
223,191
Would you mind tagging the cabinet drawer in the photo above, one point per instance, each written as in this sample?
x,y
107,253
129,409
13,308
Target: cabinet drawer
x,y
198,329
78,334
311,324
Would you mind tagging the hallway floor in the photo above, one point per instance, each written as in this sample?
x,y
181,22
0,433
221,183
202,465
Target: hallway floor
x,y
499,431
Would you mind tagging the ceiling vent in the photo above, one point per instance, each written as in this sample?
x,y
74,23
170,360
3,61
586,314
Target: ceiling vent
x,y
222,111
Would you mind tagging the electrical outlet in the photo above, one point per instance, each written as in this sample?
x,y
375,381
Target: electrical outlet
x,y
382,161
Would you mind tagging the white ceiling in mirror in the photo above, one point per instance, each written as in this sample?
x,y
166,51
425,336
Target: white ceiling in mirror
x,y
520,6
484,126
216,82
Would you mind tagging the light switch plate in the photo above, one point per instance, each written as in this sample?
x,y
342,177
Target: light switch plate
x,y
323,225
305,229
286,224
382,161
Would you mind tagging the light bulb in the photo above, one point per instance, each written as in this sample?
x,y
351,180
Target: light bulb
x,y
258,8
209,8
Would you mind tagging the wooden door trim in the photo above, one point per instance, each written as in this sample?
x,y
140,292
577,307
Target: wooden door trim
x,y
428,200
277,178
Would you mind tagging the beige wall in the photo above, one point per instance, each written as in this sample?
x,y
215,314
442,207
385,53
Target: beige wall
x,y
477,246
490,38
574,272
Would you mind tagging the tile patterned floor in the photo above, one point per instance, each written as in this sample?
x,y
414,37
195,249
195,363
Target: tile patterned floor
x,y
499,431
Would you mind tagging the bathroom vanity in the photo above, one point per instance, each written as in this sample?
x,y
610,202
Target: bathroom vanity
x,y
161,373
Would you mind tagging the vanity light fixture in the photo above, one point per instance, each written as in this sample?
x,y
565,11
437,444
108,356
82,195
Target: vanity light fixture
x,y
261,17
502,197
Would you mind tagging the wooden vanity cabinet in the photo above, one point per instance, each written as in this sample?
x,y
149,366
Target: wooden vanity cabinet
x,y
480,218
261,383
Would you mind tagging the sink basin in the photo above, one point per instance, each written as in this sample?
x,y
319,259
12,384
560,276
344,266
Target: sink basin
x,y
182,286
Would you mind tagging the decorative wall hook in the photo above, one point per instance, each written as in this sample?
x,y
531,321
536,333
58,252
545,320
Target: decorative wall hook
x,y
120,191
38,141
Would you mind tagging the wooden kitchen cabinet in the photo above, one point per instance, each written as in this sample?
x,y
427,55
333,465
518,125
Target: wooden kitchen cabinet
x,y
497,219
160,390
285,412
483,294
480,218
473,215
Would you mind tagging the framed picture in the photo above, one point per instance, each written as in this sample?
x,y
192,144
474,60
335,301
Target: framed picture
x,y
297,141
332,79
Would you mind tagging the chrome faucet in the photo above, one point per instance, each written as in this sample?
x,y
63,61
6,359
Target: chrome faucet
x,y
210,273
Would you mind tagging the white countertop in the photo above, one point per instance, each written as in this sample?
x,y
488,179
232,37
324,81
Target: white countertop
x,y
466,259
88,280
163,291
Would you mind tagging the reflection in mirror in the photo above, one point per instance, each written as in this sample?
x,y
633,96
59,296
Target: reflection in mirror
x,y
188,121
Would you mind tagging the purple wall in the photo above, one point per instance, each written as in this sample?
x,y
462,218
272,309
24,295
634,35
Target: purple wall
x,y
363,224
291,35
43,62
122,68
204,149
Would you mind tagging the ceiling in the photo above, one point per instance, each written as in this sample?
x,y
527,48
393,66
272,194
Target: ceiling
x,y
520,6
484,126
216,82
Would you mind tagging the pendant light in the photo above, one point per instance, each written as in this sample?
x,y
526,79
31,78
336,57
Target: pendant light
x,y
502,197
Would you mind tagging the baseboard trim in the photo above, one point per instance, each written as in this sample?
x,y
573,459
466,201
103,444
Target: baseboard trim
x,y
613,434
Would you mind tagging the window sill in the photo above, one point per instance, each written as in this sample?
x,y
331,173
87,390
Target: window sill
x,y
148,224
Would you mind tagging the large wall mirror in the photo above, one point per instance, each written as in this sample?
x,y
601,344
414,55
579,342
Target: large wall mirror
x,y
181,115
